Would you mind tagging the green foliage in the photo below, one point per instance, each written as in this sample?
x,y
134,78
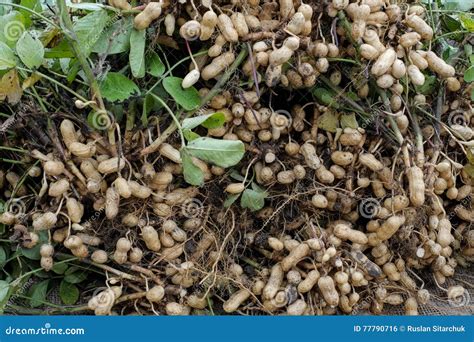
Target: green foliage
x,y
137,53
187,98
30,50
69,293
117,87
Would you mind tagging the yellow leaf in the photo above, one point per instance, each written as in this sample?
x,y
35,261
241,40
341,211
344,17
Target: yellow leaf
x,y
328,121
349,120
30,81
469,169
10,87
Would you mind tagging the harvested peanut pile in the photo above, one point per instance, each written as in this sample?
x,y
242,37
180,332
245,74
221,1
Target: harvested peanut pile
x,y
249,157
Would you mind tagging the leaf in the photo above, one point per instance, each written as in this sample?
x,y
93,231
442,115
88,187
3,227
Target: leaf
x,y
209,121
451,23
69,293
12,27
325,97
116,38
30,50
88,29
462,5
253,200
155,66
137,53
469,169
59,268
4,291
10,87
38,293
328,121
7,57
187,98
85,6
3,257
349,121
428,87
230,200
34,253
76,277
222,153
192,174
30,81
34,5
472,94
117,87
190,135
469,74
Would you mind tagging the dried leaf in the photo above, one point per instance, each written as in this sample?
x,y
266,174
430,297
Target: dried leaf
x,y
10,87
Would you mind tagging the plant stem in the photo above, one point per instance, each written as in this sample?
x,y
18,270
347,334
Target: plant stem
x,y
175,119
390,119
67,27
213,92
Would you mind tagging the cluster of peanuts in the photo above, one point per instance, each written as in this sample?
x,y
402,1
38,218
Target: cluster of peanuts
x,y
359,207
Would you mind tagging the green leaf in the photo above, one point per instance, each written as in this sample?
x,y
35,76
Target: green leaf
x,y
462,5
30,50
4,293
12,27
69,293
59,268
137,53
469,74
230,200
34,253
192,174
76,277
451,23
190,135
7,58
253,200
472,94
89,29
428,87
116,38
117,87
222,153
187,98
209,121
326,97
85,6
34,5
38,293
155,66
3,257
349,121
328,121
467,21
